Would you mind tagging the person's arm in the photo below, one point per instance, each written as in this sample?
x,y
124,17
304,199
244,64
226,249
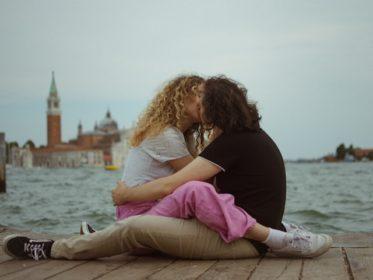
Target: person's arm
x,y
199,169
180,163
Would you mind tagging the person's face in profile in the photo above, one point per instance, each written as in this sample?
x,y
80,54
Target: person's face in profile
x,y
193,105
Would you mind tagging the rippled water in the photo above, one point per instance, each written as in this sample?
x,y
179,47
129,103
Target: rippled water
x,y
330,198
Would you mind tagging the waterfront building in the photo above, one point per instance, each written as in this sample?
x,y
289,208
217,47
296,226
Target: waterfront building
x,y
68,156
102,137
21,157
120,149
104,145
363,153
357,154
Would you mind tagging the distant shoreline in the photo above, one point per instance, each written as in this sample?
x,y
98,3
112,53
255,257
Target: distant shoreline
x,y
322,161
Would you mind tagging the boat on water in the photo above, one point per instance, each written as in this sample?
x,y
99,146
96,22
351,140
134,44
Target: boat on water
x,y
111,167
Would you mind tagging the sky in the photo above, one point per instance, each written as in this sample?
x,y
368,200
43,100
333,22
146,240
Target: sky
x,y
307,64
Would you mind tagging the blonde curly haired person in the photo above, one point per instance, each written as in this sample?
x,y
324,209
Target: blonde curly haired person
x,y
175,105
167,137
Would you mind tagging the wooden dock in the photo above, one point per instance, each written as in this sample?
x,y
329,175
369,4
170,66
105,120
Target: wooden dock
x,y
351,257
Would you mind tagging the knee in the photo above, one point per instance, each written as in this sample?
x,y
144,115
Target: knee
x,y
131,223
131,228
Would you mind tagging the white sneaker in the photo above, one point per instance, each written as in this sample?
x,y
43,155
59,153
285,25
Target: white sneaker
x,y
291,227
304,244
86,228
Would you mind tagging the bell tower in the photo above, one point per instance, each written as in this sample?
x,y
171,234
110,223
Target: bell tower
x,y
80,128
53,115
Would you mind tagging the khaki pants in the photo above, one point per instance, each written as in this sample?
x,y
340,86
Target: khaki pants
x,y
176,237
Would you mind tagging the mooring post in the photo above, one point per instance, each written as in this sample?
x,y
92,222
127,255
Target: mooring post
x,y
2,163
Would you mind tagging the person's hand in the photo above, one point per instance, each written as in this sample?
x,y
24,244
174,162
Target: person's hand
x,y
119,194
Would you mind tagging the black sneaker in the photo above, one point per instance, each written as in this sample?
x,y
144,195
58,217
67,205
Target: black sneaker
x,y
86,228
23,247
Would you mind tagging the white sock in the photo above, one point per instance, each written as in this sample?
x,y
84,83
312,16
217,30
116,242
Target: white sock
x,y
275,239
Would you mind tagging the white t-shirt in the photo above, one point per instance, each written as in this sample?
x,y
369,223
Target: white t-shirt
x,y
148,161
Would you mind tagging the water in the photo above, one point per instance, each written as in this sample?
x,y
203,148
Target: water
x,y
330,198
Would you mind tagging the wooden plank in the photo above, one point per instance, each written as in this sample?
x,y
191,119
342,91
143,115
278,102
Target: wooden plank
x,y
353,240
328,266
44,270
17,265
183,269
4,258
361,262
355,263
231,269
94,269
2,253
139,269
278,268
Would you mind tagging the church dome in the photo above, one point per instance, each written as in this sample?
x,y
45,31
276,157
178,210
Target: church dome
x,y
107,124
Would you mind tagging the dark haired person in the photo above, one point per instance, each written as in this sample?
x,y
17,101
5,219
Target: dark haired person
x,y
247,165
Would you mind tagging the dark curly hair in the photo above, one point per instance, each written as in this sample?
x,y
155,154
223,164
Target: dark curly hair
x,y
226,106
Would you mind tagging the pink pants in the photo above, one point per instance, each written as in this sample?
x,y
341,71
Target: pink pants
x,y
199,200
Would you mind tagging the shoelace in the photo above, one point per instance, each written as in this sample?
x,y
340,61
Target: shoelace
x,y
297,227
301,240
35,251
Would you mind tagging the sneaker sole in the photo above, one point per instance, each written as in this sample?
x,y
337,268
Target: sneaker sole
x,y
5,242
328,243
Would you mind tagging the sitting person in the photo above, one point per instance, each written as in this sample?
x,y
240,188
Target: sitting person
x,y
253,172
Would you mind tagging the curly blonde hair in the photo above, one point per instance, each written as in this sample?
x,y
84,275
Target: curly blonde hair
x,y
167,109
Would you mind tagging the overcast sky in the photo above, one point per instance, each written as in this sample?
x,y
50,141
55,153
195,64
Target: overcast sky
x,y
308,64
